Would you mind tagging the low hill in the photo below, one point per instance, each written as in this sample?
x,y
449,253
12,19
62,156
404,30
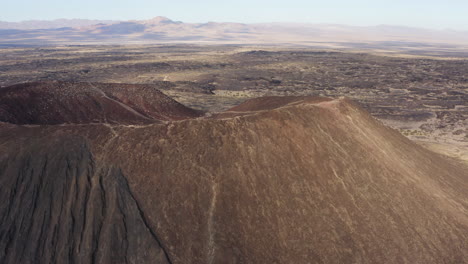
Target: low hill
x,y
47,103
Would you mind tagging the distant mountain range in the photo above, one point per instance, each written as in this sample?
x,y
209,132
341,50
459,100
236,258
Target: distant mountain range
x,y
165,30
53,24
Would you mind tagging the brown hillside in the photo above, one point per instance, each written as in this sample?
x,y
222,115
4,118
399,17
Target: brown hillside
x,y
48,103
295,180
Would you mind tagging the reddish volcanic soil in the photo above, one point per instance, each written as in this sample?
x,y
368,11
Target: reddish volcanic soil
x,y
49,103
274,180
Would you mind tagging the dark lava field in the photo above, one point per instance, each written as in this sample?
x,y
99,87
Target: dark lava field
x,y
425,97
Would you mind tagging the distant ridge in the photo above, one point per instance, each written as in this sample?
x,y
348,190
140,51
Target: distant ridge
x,y
164,30
160,20
53,24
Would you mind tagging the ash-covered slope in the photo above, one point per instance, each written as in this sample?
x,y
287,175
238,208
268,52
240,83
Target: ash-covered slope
x,y
60,206
49,103
292,180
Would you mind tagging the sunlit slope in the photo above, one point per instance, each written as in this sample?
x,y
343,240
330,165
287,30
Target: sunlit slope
x,y
293,180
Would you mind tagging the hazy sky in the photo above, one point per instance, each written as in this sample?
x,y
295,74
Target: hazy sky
x,y
439,14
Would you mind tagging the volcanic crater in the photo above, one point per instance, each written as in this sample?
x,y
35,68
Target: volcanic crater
x,y
119,173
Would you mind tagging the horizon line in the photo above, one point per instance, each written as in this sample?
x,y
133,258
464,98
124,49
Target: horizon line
x,y
246,23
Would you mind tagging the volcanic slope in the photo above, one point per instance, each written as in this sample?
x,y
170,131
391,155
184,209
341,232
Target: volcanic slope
x,y
279,180
47,103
